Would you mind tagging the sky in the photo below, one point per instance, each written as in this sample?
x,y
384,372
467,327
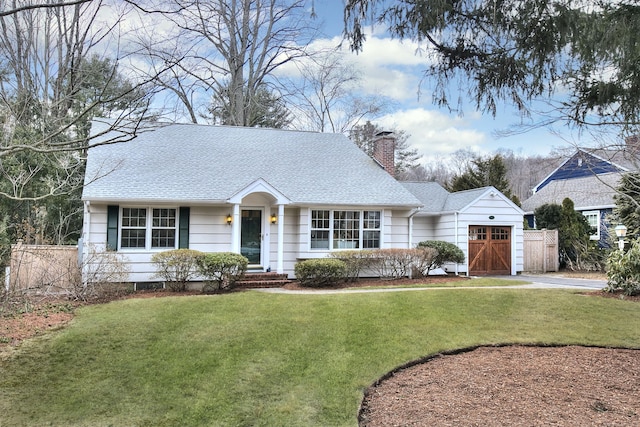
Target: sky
x,y
392,69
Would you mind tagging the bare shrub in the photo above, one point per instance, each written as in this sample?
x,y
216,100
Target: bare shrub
x,y
397,263
102,272
424,261
177,267
355,262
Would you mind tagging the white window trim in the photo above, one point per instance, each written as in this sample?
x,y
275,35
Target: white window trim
x,y
361,228
595,236
148,229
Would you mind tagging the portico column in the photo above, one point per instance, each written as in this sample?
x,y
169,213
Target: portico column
x,y
235,230
280,265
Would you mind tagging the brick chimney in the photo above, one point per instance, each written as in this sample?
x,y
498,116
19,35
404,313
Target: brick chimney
x,y
384,148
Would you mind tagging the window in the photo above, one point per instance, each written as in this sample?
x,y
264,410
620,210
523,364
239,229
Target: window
x,y
163,228
477,233
138,230
371,233
593,218
134,228
320,229
348,229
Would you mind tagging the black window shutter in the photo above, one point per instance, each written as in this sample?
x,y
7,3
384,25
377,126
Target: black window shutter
x,y
112,227
183,229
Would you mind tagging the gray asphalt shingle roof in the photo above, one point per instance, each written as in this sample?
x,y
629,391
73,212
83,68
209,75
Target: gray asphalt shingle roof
x,y
436,199
589,192
197,163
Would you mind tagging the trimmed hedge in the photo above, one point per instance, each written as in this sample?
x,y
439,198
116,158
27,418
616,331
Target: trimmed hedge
x,y
222,269
318,273
176,267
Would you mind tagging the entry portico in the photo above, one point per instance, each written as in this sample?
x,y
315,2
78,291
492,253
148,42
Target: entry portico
x,y
251,232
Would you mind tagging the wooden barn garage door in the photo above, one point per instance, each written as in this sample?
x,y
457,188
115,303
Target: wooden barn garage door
x,y
489,250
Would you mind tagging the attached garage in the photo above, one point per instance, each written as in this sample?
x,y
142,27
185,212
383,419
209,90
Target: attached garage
x,y
485,224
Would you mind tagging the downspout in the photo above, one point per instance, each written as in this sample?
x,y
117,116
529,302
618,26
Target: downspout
x,y
84,240
411,215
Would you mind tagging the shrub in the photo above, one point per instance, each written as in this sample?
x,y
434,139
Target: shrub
x,y
397,263
446,252
176,267
317,273
222,269
623,270
355,261
423,261
103,272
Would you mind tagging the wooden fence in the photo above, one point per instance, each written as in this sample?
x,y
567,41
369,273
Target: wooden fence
x,y
43,268
541,251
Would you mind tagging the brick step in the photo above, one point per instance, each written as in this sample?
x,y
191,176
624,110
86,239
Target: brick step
x,y
263,280
265,276
248,284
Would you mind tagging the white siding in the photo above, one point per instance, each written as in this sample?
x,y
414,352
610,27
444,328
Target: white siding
x,y
423,228
396,229
208,229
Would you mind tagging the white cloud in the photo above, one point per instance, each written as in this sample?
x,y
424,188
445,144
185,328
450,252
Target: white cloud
x,y
435,134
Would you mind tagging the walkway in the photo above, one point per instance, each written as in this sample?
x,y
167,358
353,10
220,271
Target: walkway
x,y
541,281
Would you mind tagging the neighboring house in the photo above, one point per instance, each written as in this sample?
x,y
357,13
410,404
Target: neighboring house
x,y
589,179
483,222
275,196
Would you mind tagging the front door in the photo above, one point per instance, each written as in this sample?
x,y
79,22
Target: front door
x,y
489,250
251,235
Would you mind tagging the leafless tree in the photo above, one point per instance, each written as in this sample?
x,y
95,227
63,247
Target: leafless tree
x,y
54,77
326,98
222,49
60,66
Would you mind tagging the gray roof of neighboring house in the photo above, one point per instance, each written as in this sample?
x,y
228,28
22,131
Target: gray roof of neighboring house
x,y
197,163
625,157
591,192
436,199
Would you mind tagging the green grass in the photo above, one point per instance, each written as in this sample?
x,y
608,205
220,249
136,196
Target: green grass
x,y
255,359
475,283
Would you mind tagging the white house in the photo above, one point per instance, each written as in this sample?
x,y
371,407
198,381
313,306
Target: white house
x,y
275,196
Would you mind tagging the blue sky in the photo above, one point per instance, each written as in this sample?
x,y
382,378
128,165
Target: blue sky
x,y
391,68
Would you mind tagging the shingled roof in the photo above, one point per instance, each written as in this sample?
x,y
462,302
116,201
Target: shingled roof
x,y
437,200
590,192
210,164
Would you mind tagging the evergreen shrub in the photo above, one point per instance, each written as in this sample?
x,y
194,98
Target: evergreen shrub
x,y
322,272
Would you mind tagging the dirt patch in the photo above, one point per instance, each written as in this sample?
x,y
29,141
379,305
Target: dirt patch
x,y
512,385
20,326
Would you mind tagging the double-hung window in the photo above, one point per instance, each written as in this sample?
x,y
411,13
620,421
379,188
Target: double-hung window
x,y
593,218
134,228
345,229
153,228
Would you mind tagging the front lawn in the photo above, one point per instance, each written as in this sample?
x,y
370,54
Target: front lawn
x,y
255,359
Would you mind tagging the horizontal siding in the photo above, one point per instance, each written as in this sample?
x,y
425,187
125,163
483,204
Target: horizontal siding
x,y
208,229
